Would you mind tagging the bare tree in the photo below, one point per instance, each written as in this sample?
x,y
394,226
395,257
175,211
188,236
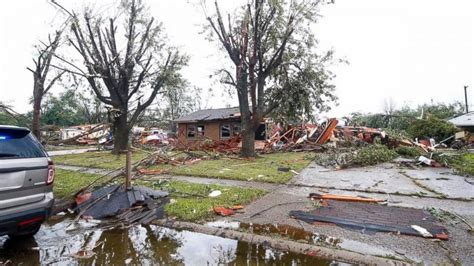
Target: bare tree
x,y
266,41
389,106
42,81
126,78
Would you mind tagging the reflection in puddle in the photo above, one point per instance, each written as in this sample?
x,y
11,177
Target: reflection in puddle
x,y
298,234
139,245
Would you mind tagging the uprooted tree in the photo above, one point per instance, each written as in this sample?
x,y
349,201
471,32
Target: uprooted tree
x,y
126,69
43,78
275,67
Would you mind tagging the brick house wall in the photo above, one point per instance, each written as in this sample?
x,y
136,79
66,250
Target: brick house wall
x,y
212,130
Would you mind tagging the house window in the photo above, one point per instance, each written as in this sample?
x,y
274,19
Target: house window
x,y
195,131
200,130
225,130
236,129
191,131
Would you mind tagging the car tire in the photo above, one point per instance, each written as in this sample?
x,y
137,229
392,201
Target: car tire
x,y
25,234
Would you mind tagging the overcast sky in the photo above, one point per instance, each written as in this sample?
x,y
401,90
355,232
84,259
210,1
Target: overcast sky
x,y
411,51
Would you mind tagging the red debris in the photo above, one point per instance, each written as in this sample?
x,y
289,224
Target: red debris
x,y
223,211
82,197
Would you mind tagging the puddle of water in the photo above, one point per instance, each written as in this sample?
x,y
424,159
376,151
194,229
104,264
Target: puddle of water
x,y
296,234
360,247
287,231
147,245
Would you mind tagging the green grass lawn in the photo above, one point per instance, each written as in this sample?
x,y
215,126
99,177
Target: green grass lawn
x,y
68,182
262,169
191,201
464,164
99,159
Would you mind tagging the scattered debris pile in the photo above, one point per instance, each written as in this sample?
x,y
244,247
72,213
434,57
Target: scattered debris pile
x,y
163,158
138,204
82,135
226,146
363,214
340,158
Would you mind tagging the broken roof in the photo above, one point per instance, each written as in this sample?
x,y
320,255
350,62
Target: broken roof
x,y
463,120
210,114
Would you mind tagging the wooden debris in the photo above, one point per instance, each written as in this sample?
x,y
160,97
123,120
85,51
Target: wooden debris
x,y
343,198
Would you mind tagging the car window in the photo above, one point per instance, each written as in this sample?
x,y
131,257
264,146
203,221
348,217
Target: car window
x,y
19,144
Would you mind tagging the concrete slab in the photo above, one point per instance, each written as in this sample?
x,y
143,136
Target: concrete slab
x,y
385,178
66,152
444,181
465,208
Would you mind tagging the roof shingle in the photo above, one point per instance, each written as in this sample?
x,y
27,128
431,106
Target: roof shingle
x,y
210,114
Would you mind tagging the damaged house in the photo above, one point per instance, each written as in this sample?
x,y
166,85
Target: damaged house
x,y
465,121
213,124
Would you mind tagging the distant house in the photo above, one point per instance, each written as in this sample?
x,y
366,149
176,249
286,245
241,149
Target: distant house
x,y
465,121
71,132
214,124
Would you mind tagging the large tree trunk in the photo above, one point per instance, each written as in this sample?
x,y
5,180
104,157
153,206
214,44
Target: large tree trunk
x,y
121,132
36,125
248,138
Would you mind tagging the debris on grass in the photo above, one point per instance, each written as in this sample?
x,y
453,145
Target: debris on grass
x,y
215,193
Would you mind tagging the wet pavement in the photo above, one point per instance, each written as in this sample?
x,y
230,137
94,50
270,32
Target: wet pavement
x,y
389,178
94,244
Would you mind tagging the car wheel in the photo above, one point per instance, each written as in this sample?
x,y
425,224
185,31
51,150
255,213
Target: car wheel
x,y
26,234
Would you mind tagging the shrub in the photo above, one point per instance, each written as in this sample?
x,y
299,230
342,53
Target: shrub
x,y
373,154
408,151
431,127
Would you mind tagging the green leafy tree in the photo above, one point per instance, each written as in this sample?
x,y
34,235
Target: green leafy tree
x,y
62,110
431,127
8,116
442,110
272,49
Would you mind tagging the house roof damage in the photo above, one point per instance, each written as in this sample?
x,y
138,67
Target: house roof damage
x,y
210,115
465,120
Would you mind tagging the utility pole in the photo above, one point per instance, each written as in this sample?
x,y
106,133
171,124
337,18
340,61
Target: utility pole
x,y
465,98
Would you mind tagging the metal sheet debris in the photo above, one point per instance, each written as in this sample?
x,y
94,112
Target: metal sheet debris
x,y
373,217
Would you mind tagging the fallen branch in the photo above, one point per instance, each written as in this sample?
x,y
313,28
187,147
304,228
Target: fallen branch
x,y
462,219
